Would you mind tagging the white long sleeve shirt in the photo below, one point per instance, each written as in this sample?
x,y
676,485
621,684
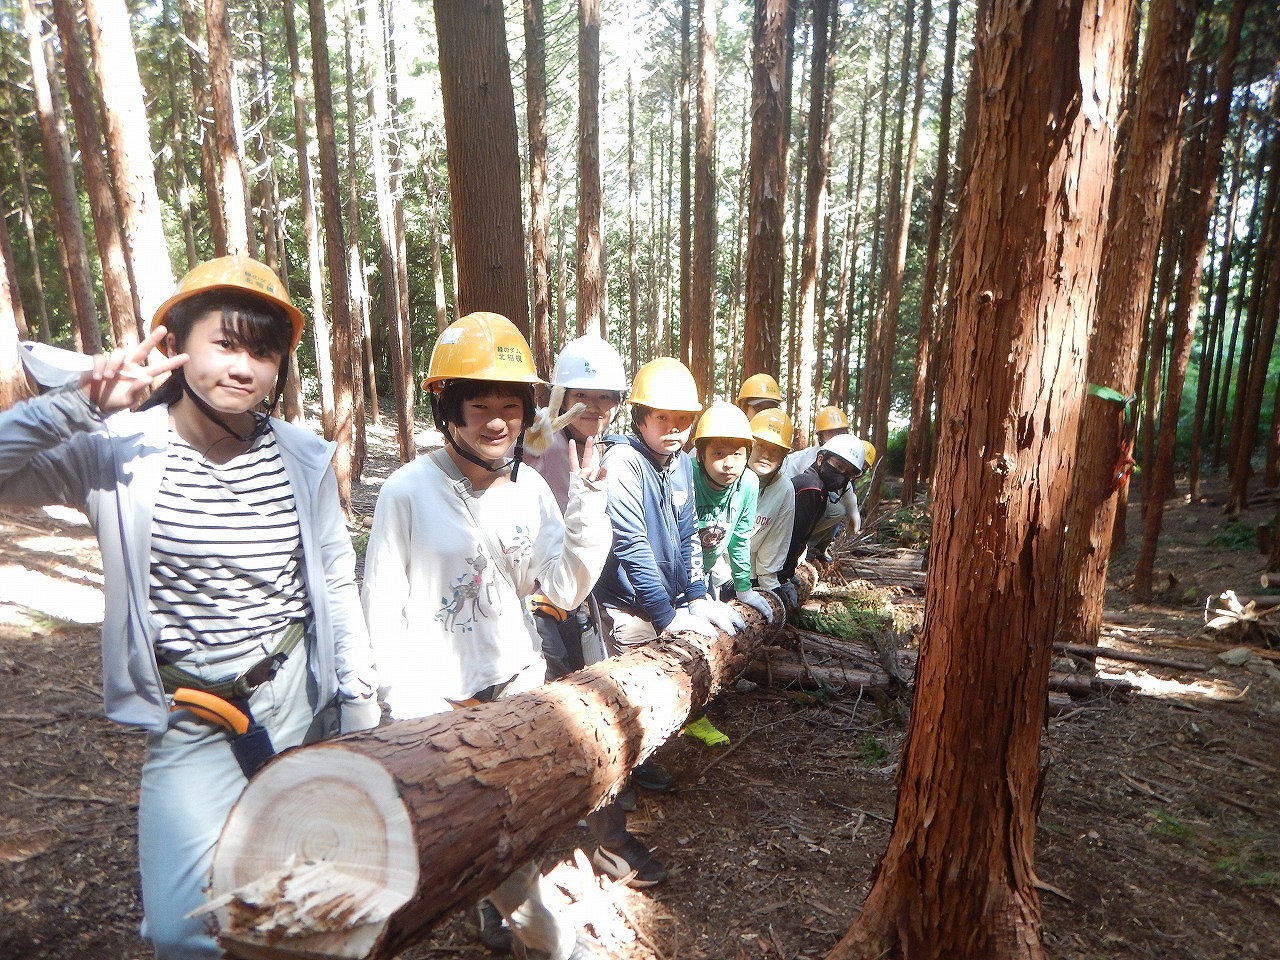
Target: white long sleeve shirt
x,y
445,622
775,516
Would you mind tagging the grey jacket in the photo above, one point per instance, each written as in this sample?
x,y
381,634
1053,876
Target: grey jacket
x,y
57,448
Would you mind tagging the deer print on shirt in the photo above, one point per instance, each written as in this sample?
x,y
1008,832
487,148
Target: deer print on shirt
x,y
472,594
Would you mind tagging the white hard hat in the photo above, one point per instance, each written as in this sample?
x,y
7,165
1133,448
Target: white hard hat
x,y
847,447
590,363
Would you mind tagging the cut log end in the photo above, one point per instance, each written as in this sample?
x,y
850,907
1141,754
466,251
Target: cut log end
x,y
318,855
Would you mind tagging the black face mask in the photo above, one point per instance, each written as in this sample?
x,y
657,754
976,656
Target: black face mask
x,y
833,480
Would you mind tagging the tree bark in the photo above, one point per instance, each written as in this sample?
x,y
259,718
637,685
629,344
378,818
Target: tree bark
x,y
484,160
470,795
51,112
129,152
117,284
226,131
1122,302
13,381
957,880
766,210
1195,237
42,331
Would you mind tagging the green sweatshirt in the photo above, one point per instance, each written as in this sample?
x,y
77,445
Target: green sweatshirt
x,y
725,520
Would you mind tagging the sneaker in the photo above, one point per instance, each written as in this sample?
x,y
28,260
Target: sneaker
x,y
634,864
651,776
626,798
581,951
703,729
493,930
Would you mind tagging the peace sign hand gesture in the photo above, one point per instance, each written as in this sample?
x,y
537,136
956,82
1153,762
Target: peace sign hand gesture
x,y
590,468
120,378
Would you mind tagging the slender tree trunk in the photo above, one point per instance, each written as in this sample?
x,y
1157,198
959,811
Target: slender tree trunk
x,y
11,295
684,94
818,164
362,366
770,109
484,160
117,285
226,131
535,83
919,429
129,152
51,113
591,290
43,331
633,211
699,323
1188,304
197,51
1108,427
957,880
344,341
13,382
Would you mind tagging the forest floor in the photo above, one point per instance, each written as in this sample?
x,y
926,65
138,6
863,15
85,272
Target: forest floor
x,y
1159,835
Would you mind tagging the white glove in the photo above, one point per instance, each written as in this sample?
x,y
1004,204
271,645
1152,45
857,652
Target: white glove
x,y
354,715
721,615
756,601
684,620
549,421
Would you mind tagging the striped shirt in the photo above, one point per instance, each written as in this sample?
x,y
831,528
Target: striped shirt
x,y
226,557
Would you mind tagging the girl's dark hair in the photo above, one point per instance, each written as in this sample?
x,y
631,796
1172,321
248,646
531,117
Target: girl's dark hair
x,y
248,322
639,413
447,405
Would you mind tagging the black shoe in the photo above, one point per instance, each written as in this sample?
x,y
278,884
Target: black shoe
x,y
494,932
651,776
626,798
633,863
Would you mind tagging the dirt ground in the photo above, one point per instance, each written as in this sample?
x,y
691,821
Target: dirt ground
x,y
1159,835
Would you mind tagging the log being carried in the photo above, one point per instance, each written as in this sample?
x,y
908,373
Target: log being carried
x,y
357,847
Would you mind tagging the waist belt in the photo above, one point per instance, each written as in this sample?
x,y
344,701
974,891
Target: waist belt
x,y
238,687
540,603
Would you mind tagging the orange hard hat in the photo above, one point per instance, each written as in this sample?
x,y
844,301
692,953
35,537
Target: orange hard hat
x,y
481,346
239,273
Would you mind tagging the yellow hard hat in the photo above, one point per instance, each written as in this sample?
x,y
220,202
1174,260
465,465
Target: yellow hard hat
x,y
773,426
870,452
760,386
665,383
240,273
830,418
481,346
723,420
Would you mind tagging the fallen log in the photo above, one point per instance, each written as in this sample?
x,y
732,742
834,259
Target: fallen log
x,y
1084,686
785,670
1122,656
356,847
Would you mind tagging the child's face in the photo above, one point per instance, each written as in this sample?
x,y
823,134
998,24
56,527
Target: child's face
x,y
724,460
766,458
601,406
491,424
666,431
222,370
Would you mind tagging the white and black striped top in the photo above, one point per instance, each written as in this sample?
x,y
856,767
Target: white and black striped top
x,y
226,558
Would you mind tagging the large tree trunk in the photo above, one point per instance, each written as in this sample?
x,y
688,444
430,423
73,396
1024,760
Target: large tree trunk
x,y
429,814
1106,432
699,322
766,210
1191,261
129,151
484,160
117,284
50,111
957,880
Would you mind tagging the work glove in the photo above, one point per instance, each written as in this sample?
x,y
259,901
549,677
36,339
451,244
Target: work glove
x,y
685,620
788,595
720,615
756,601
356,715
549,421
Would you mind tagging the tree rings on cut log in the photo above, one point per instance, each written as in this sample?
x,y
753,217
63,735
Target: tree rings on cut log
x,y
335,821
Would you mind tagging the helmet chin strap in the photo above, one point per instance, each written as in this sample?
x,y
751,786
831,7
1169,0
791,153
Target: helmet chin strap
x,y
261,422
514,463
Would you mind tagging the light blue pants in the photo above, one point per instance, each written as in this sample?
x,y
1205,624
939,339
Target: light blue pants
x,y
190,781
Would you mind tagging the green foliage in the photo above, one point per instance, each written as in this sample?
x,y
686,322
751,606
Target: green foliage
x,y
1250,866
1235,536
871,752
1166,826
853,618
907,527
